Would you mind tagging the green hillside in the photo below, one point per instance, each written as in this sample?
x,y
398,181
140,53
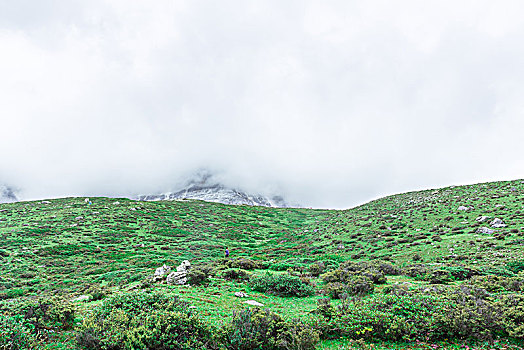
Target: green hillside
x,y
419,270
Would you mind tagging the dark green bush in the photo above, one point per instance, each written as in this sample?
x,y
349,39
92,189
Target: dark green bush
x,y
493,283
15,334
402,314
263,329
98,292
281,284
359,286
241,263
197,276
512,319
50,314
316,269
335,290
235,275
515,266
141,320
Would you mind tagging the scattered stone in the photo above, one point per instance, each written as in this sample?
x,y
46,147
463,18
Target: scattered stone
x,y
253,302
497,223
116,203
240,295
485,230
177,278
46,202
180,275
81,298
464,208
482,218
160,271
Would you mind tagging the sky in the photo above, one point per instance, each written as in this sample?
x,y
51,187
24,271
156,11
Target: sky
x,y
329,103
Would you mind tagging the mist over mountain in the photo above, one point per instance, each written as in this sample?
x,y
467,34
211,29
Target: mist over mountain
x,y
7,195
204,185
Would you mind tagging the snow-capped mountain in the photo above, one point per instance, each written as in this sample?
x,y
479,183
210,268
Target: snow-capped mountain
x,y
205,187
7,195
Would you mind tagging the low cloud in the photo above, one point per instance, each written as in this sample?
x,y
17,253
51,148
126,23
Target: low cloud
x,y
329,104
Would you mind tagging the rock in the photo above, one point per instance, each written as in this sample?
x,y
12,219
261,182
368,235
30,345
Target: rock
x,y
485,230
81,298
482,218
180,275
46,202
184,266
240,295
177,278
463,208
497,223
162,270
253,302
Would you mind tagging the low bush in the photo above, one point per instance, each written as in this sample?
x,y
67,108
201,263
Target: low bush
x,y
263,329
44,315
281,284
141,320
335,290
15,334
197,276
241,263
235,275
515,266
98,292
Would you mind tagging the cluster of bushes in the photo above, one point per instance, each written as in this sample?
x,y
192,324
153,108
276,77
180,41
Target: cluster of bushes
x,y
15,334
263,329
494,283
430,314
24,325
281,284
141,320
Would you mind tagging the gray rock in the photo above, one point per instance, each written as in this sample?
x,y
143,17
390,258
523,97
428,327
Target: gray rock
x,y
240,295
253,302
177,278
162,270
184,266
497,223
485,230
463,208
180,275
81,298
482,218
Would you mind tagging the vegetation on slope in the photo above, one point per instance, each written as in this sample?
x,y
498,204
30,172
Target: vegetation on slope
x,y
439,268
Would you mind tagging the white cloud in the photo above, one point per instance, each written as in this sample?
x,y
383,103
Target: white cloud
x,y
331,103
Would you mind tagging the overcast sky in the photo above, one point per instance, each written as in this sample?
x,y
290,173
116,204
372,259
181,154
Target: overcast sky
x,y
331,103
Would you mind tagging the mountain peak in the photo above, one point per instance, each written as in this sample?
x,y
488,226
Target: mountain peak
x,y
204,185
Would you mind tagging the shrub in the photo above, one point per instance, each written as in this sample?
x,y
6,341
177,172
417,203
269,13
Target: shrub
x,y
241,263
235,275
512,318
263,329
515,266
348,271
359,286
15,334
197,276
140,320
282,284
410,315
48,314
98,292
316,269
335,289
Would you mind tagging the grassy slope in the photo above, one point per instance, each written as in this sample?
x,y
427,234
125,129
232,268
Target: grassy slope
x,y
65,245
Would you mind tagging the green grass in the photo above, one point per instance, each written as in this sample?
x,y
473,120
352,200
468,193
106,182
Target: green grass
x,y
66,246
